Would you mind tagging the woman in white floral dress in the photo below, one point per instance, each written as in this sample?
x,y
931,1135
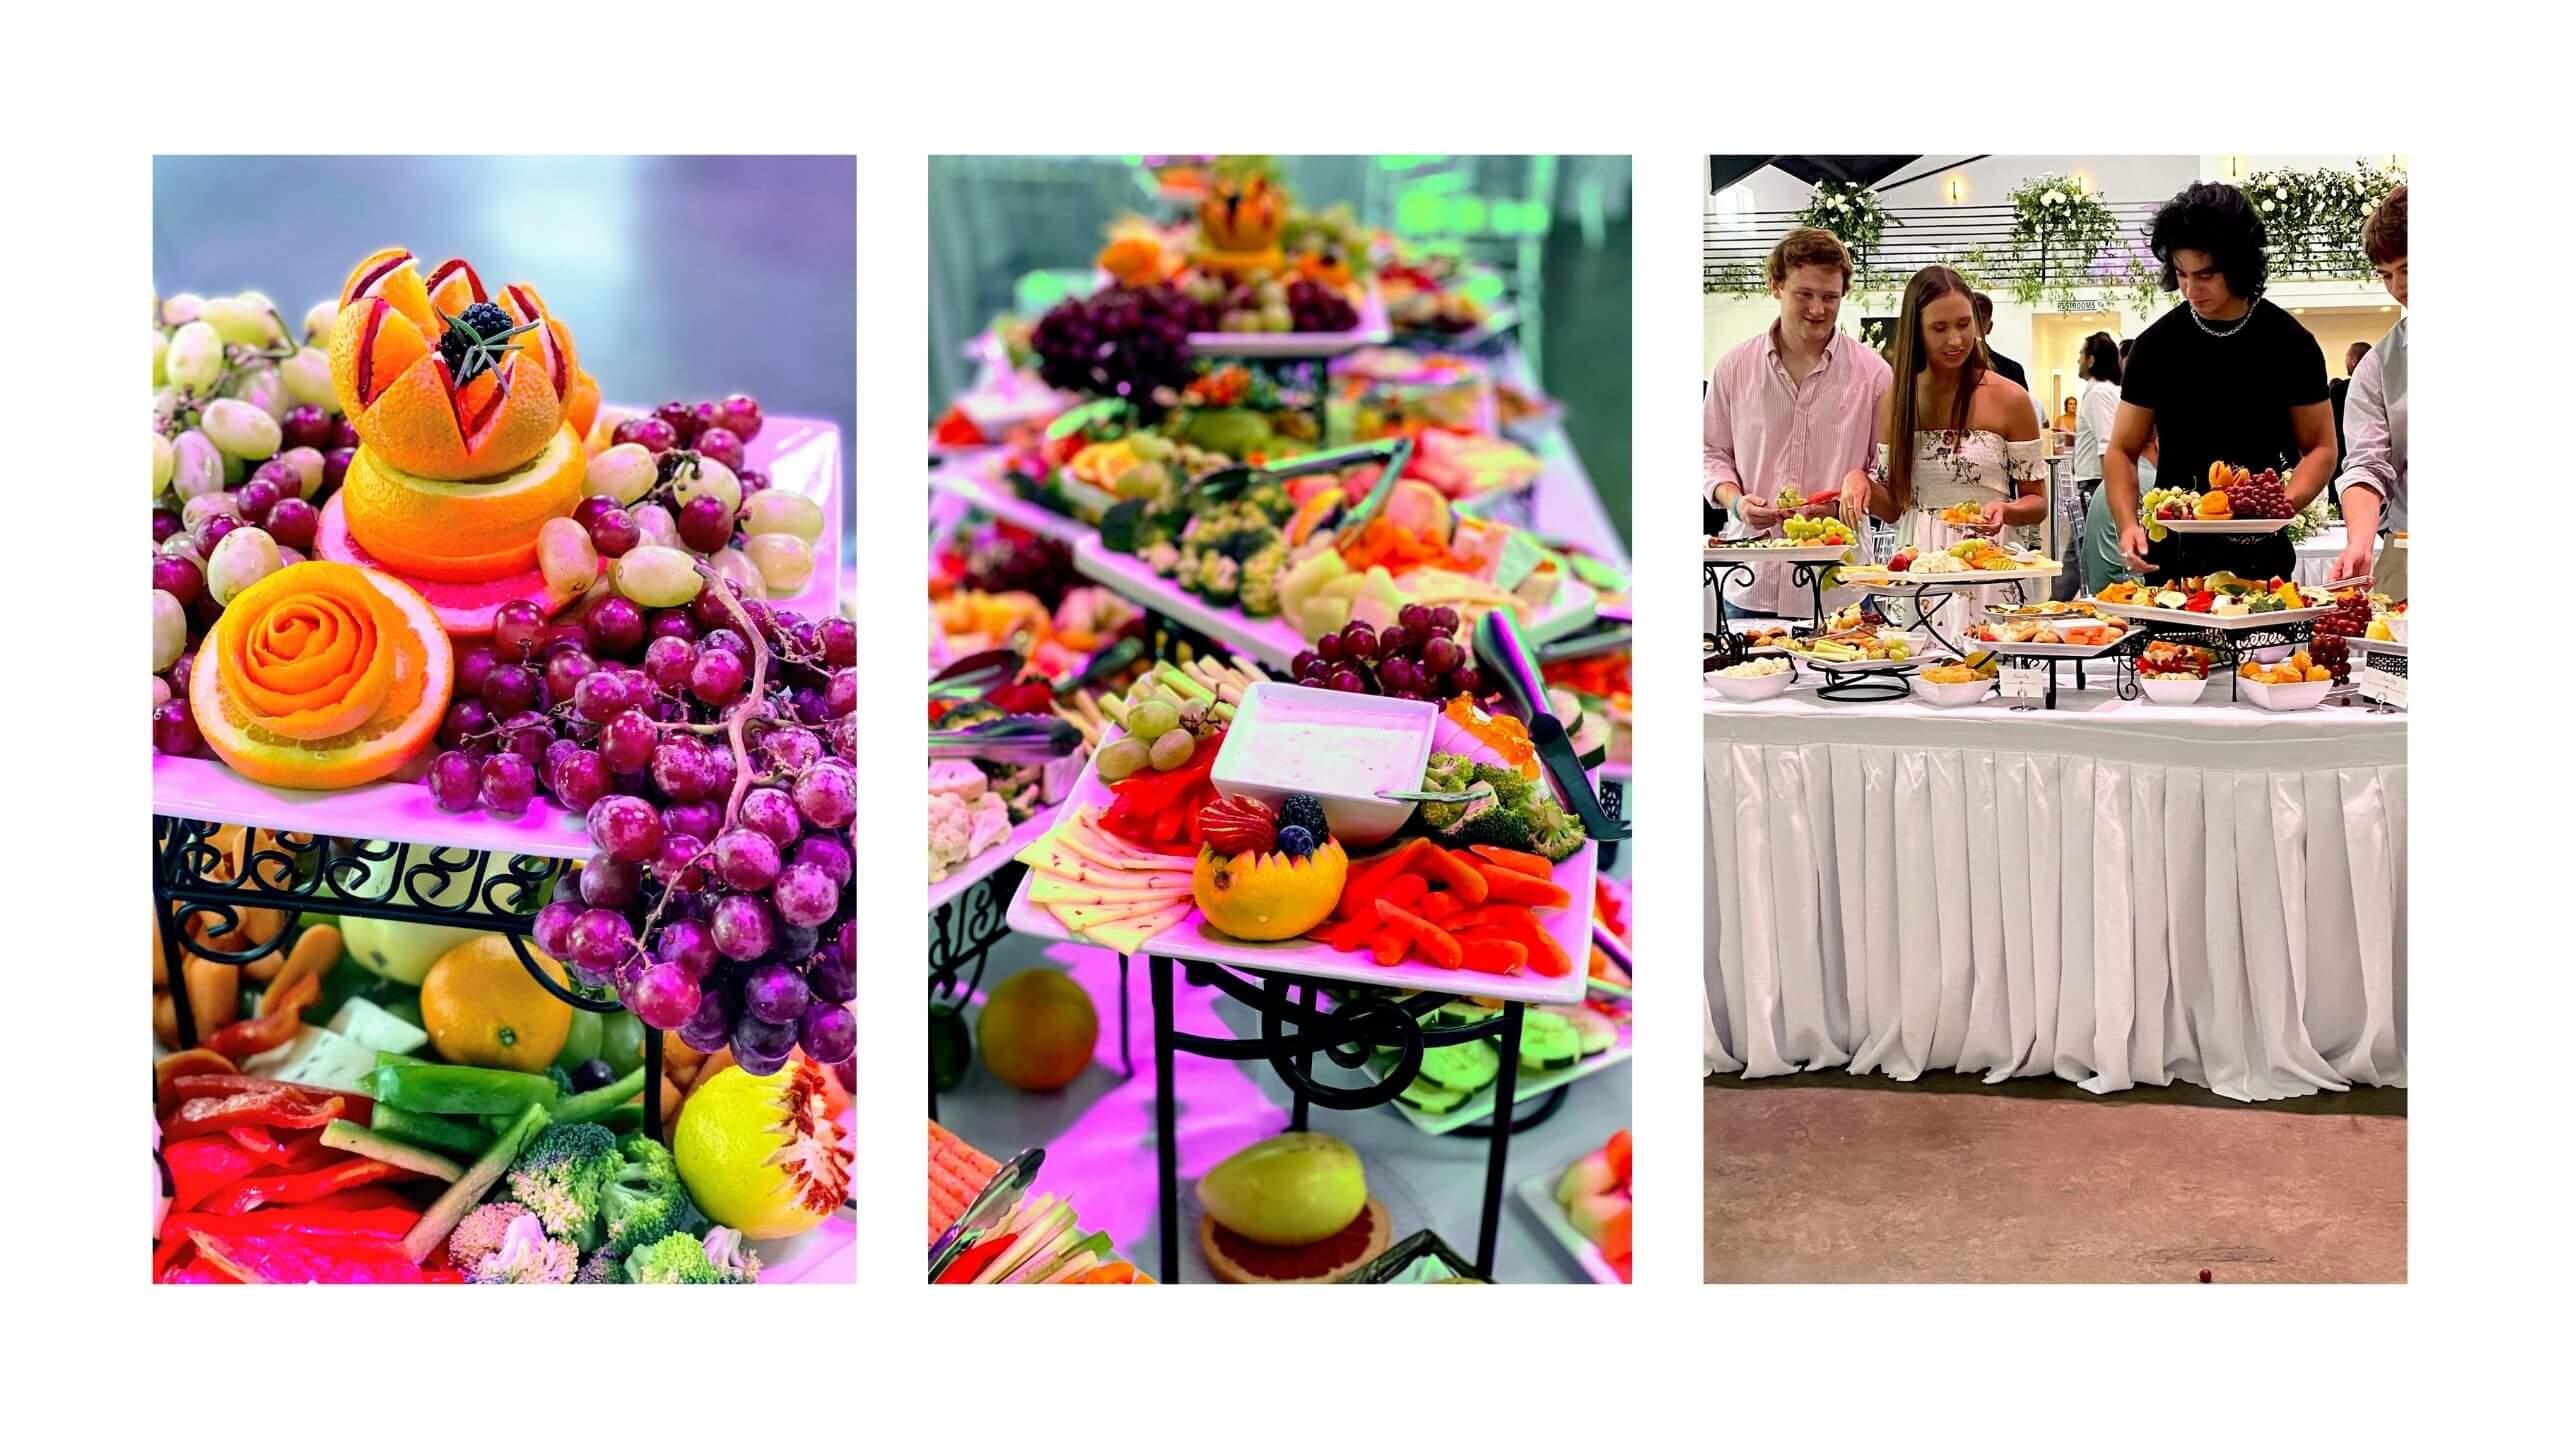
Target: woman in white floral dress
x,y
1953,432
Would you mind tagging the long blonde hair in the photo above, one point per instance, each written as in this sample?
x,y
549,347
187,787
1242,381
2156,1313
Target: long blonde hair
x,y
1929,283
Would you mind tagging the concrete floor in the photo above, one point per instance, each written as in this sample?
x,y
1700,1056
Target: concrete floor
x,y
1827,1178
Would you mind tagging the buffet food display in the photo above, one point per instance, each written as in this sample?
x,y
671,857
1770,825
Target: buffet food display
x,y
412,576
1287,448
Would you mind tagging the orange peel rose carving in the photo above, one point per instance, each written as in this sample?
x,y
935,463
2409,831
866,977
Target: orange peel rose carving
x,y
322,676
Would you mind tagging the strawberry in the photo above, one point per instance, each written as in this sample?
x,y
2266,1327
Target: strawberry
x,y
1901,561
1239,826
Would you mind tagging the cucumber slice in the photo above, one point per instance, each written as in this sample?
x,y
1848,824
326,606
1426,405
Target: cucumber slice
x,y
1469,1066
1433,1099
356,1140
1548,1040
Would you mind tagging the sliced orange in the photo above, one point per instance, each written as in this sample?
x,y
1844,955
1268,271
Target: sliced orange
x,y
585,399
370,347
267,653
391,274
552,343
440,529
455,287
426,425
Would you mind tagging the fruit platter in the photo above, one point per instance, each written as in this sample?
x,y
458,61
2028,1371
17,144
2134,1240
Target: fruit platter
x,y
1386,390
1244,276
2221,601
1863,647
2042,610
2236,502
2294,682
1440,297
2170,673
1270,846
1588,1207
1966,562
1799,539
1272,567
2067,638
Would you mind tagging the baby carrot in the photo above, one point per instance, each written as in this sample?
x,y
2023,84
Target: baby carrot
x,y
1537,867
1436,944
1492,915
1367,884
1406,889
1389,946
1349,935
1512,886
1463,879
1437,906
1546,953
1493,957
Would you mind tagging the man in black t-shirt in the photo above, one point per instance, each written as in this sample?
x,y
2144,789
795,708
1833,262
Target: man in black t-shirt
x,y
2001,365
2226,376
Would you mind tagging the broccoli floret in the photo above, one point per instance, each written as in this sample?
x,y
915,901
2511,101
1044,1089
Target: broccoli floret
x,y
480,1233
1160,556
1127,529
1557,830
526,1256
1274,503
1445,771
1511,788
1261,590
561,1177
599,1269
676,1259
643,1199
1506,828
1216,579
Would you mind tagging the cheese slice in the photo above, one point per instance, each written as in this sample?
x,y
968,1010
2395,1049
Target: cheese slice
x,y
1088,850
1079,916
1047,888
1127,936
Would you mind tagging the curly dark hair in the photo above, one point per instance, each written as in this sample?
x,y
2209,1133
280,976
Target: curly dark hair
x,y
2386,230
2218,220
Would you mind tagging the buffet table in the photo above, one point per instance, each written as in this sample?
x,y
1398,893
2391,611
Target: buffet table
x,y
2113,892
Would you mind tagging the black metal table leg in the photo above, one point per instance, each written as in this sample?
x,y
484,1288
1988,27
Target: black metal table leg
x,y
1297,1097
1126,1067
1168,1217
1499,1157
653,1064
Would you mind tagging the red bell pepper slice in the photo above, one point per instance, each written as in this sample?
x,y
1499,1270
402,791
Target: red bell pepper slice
x,y
198,1271
200,1166
974,1260
208,1114
359,1106
299,1189
281,1022
386,1219
260,1142
301,1259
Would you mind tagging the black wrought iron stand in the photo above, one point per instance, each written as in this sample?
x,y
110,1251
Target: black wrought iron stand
x,y
1806,573
316,874
1293,1033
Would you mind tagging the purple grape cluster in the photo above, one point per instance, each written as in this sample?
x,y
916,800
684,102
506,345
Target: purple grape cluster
x,y
719,899
719,429
1314,305
1417,658
1125,341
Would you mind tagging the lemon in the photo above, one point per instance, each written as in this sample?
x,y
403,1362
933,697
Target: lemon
x,y
760,1154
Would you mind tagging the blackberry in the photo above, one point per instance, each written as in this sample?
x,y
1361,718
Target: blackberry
x,y
1296,843
1307,813
473,340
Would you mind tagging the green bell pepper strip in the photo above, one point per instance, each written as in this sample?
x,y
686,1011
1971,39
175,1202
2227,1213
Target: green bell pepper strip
x,y
435,1132
602,1100
460,1089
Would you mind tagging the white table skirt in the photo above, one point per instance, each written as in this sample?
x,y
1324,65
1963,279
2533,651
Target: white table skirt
x,y
2114,893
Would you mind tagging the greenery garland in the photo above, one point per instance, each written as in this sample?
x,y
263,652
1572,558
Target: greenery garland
x,y
2058,225
2315,218
1851,212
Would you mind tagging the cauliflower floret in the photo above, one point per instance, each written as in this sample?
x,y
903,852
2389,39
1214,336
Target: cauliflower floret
x,y
946,826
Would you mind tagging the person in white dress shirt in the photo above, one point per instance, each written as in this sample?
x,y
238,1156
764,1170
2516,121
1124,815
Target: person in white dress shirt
x,y
2373,487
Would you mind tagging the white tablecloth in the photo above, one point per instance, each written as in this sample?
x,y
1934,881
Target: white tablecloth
x,y
2312,558
2114,892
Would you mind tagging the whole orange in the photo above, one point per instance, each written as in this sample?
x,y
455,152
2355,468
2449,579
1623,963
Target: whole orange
x,y
481,1008
1037,1029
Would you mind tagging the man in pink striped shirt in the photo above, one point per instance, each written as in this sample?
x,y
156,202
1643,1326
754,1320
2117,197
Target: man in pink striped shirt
x,y
1795,408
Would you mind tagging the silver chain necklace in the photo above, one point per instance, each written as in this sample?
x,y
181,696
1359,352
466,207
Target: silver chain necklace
x,y
2236,326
